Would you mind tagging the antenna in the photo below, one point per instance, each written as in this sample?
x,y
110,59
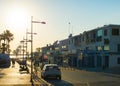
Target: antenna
x,y
69,29
72,29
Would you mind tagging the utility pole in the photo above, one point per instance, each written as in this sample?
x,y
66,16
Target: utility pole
x,y
26,44
31,49
32,45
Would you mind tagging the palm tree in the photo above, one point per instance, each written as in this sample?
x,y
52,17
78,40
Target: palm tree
x,y
3,45
8,37
16,52
0,42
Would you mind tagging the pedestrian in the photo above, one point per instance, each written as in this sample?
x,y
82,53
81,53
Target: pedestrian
x,y
13,62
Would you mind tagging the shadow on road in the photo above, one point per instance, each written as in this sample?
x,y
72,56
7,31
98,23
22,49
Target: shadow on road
x,y
55,82
1,73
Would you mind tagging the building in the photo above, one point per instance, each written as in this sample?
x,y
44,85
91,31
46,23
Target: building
x,y
99,47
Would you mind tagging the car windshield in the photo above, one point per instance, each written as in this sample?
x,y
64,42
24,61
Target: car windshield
x,y
51,67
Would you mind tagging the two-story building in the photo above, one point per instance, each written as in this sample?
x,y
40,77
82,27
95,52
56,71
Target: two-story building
x,y
94,48
100,47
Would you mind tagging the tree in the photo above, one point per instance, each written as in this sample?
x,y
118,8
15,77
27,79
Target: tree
x,y
9,37
6,36
3,45
0,42
38,49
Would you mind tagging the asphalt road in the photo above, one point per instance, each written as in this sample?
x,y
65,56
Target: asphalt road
x,y
12,77
85,78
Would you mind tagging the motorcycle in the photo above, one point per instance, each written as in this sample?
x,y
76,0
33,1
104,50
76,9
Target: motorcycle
x,y
23,66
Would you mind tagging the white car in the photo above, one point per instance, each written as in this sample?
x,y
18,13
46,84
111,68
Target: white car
x,y
51,70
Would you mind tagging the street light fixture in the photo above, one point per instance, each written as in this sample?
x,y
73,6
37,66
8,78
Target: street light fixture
x,y
32,44
31,33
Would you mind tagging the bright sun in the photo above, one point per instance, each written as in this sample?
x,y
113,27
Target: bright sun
x,y
18,19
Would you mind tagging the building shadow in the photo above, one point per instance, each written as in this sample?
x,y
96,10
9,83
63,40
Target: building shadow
x,y
55,82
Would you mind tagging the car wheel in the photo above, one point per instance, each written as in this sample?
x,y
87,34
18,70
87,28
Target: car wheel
x,y
59,77
41,76
44,77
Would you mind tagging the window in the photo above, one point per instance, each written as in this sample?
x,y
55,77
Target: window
x,y
118,47
118,60
99,33
56,48
99,48
69,42
83,38
87,48
50,48
63,47
106,47
106,41
115,31
99,39
105,32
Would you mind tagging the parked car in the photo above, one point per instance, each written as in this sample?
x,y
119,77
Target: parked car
x,y
43,63
51,71
4,61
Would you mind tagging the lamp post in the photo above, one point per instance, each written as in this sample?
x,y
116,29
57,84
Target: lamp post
x,y
26,45
23,47
31,49
19,47
32,45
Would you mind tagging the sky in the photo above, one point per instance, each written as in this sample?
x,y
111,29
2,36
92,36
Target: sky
x,y
62,17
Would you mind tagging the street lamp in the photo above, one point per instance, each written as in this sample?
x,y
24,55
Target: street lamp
x,y
23,47
26,41
32,44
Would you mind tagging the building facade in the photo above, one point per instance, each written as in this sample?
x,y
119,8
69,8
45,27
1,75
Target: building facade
x,y
99,47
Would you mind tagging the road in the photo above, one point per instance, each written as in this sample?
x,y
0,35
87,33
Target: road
x,y
85,78
12,77
75,77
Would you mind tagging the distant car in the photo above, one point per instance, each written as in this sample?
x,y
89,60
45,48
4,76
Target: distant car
x,y
51,71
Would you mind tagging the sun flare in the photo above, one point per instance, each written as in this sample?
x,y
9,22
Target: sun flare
x,y
17,18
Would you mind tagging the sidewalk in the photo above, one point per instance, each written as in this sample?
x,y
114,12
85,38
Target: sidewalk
x,y
36,81
12,77
114,70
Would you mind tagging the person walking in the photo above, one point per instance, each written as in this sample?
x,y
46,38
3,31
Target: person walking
x,y
13,62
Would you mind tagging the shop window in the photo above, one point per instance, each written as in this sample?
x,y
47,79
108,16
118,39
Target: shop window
x,y
99,48
63,47
106,47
